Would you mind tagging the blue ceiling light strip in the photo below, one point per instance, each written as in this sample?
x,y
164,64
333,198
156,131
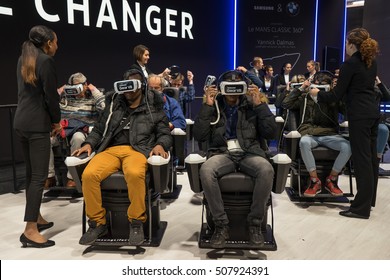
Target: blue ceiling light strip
x,y
235,34
315,32
344,28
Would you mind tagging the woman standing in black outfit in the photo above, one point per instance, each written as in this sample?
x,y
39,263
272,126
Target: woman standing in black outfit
x,y
355,86
37,116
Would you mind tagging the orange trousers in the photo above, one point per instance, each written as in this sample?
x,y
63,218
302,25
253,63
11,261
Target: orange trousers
x,y
134,166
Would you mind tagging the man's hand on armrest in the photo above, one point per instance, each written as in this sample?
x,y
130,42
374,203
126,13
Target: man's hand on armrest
x,y
158,150
84,149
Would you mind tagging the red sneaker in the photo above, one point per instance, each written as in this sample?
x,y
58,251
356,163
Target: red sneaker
x,y
71,184
314,188
332,187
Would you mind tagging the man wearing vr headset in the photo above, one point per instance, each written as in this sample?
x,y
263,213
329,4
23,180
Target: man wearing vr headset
x,y
319,126
80,105
133,127
232,121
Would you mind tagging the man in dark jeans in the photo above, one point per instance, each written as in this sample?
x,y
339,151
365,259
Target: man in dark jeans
x,y
232,132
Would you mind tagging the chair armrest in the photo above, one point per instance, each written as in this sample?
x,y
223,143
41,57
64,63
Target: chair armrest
x,y
293,134
344,124
159,171
281,164
193,164
179,138
195,159
76,167
292,143
189,122
281,159
79,160
159,160
178,131
344,129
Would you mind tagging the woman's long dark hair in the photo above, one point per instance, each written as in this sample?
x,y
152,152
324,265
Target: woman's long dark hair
x,y
39,35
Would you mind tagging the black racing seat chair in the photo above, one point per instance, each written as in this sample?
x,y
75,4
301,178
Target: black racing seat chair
x,y
115,201
236,189
176,164
324,157
61,151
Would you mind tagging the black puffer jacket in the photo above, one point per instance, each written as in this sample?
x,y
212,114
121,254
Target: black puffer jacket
x,y
254,123
319,118
148,124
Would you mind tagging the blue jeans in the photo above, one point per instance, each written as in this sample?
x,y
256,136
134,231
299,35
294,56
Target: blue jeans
x,y
334,142
383,136
255,166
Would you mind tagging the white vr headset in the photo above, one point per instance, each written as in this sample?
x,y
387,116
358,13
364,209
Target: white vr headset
x,y
296,85
73,90
233,88
321,87
127,85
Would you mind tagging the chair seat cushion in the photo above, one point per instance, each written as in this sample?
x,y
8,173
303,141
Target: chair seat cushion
x,y
236,182
114,182
324,153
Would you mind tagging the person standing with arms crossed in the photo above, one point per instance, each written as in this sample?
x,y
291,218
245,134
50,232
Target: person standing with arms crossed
x,y
355,86
37,117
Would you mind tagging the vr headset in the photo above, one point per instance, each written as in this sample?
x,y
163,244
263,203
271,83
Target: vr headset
x,y
320,87
296,85
233,88
73,90
127,85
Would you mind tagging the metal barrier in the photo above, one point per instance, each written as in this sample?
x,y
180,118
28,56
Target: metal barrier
x,y
11,109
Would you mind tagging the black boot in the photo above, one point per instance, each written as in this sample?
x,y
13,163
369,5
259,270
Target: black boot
x,y
255,236
136,236
221,233
94,232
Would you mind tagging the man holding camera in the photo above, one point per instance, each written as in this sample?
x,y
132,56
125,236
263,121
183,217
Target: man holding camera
x,y
319,126
232,121
80,105
186,94
132,127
